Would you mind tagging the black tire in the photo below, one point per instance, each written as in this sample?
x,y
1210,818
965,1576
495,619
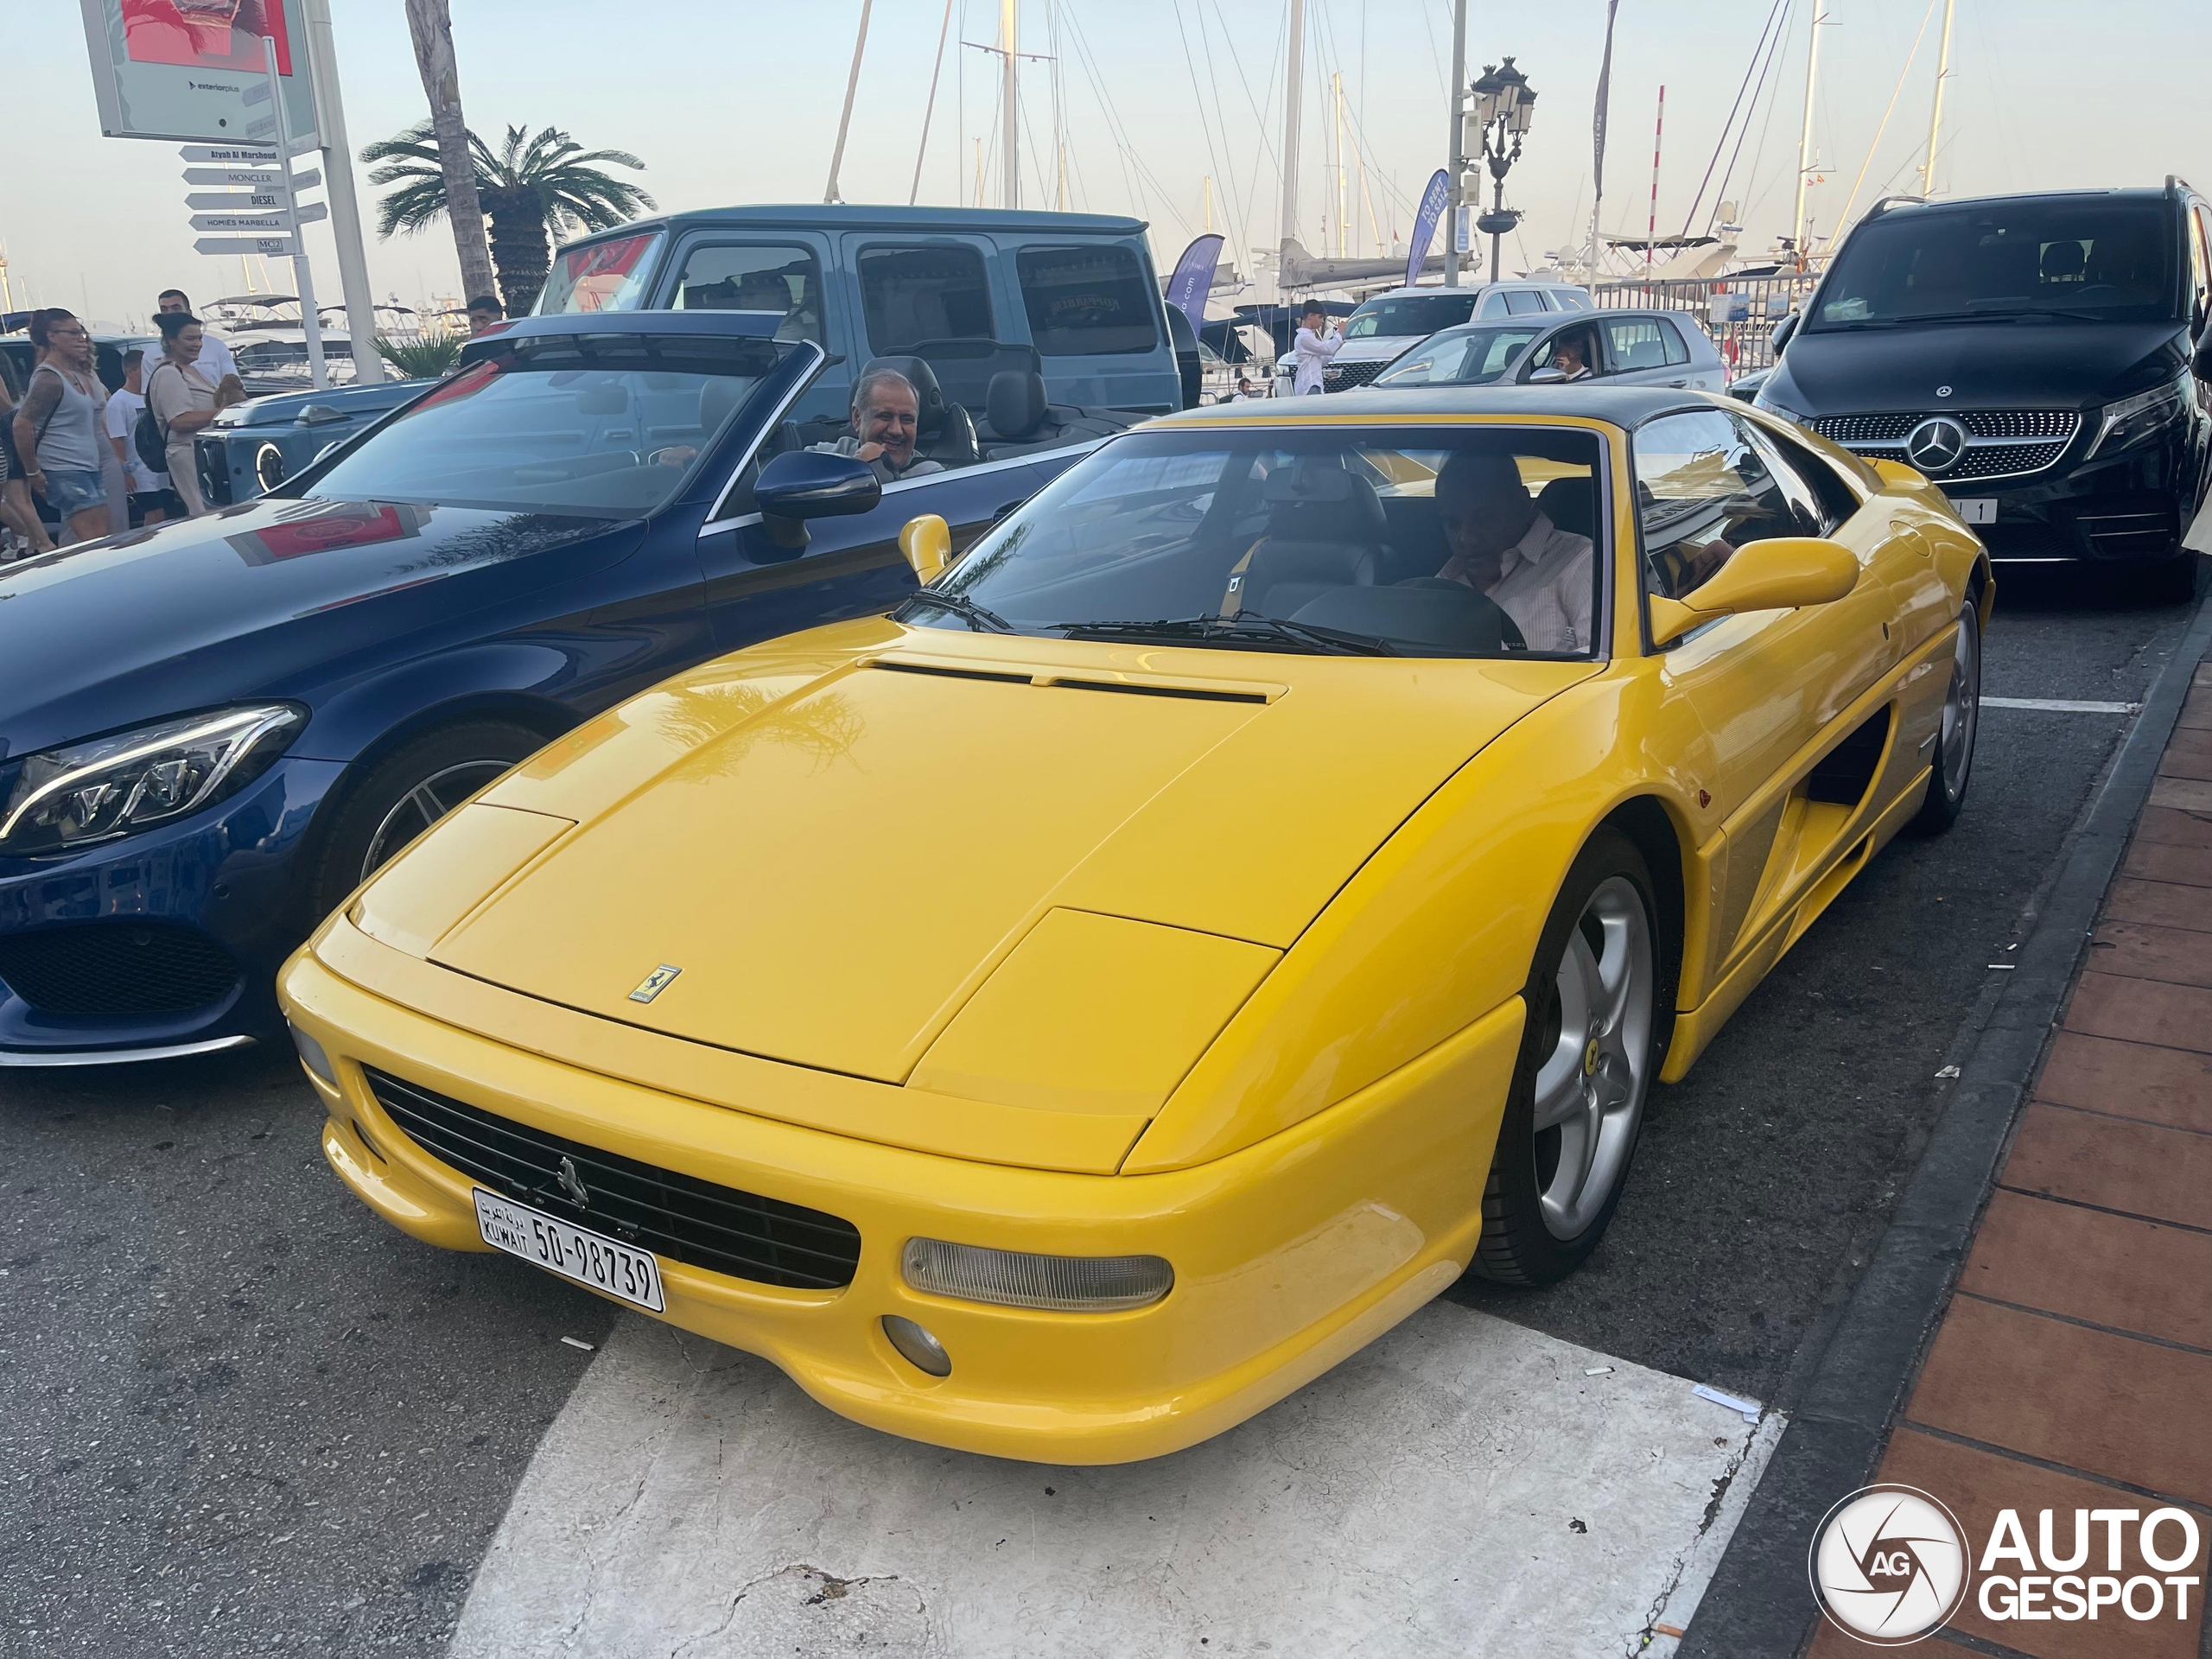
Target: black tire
x,y
391,805
1951,766
1524,1241
2170,581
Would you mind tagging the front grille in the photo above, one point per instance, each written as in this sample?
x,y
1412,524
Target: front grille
x,y
1343,377
142,968
1979,459
673,1215
2051,424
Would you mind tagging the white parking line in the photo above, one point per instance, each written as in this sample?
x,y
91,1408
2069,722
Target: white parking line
x,y
2062,706
1462,1486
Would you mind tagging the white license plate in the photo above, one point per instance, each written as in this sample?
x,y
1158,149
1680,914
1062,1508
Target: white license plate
x,y
557,1246
1976,510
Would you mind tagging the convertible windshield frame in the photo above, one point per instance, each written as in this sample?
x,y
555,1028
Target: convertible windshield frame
x,y
787,367
1252,437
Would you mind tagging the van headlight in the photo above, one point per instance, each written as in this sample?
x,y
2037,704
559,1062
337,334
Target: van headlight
x,y
2131,418
115,785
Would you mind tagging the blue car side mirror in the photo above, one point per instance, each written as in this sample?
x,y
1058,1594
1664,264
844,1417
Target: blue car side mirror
x,y
806,484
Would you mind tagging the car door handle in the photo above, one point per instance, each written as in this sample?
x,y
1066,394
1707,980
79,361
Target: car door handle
x,y
1678,383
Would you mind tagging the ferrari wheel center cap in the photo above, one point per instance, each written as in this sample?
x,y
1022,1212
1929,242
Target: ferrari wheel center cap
x,y
1589,1057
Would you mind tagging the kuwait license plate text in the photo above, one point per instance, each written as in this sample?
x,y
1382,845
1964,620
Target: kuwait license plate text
x,y
558,1247
1978,510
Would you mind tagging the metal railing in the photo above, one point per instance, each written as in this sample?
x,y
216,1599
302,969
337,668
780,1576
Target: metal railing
x,y
1739,313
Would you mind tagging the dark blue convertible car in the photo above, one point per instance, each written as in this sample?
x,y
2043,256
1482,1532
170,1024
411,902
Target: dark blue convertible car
x,y
211,731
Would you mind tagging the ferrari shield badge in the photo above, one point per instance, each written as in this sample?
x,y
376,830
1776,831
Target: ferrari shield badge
x,y
655,983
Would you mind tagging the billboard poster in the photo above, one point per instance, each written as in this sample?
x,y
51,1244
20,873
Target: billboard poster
x,y
194,69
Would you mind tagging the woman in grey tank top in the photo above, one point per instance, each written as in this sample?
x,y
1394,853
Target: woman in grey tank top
x,y
57,426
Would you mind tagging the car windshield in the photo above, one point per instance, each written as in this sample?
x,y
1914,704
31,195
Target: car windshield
x,y
2104,260
1410,314
1473,359
609,425
607,276
1465,541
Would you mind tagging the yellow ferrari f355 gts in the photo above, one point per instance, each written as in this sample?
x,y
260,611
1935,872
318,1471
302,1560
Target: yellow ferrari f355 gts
x,y
1261,881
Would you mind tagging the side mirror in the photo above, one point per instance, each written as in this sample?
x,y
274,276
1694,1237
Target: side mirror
x,y
927,544
793,488
1547,376
1779,574
1783,332
2200,362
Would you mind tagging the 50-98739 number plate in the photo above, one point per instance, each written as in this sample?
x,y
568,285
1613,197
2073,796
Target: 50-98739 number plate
x,y
588,1258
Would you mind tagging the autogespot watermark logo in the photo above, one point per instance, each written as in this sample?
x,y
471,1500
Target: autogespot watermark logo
x,y
1891,1565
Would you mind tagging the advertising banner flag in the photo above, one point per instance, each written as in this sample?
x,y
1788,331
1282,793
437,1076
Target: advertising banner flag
x,y
1433,203
1193,279
194,69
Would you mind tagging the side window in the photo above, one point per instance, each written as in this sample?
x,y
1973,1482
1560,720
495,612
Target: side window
x,y
910,294
1493,305
1702,490
1831,499
1570,299
1086,301
1638,343
1521,302
1670,336
755,277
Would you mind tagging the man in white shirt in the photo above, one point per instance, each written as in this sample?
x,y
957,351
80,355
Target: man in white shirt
x,y
1503,547
148,489
1318,341
215,361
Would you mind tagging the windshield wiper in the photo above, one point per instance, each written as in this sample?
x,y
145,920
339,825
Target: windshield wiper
x,y
977,617
1245,627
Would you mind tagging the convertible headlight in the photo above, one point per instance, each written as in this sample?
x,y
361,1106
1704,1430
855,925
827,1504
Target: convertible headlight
x,y
2131,418
132,780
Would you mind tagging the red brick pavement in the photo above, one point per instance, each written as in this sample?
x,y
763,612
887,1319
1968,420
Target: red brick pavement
x,y
2072,1368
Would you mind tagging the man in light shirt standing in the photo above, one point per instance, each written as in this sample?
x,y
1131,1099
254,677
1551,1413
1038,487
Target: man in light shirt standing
x,y
215,363
1318,341
1503,547
150,501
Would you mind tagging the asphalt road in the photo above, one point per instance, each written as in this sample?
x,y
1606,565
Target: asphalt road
x,y
238,1415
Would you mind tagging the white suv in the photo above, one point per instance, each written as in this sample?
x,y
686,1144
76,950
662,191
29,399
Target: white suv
x,y
1387,324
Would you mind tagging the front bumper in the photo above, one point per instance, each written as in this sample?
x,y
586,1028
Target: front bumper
x,y
1287,1256
163,943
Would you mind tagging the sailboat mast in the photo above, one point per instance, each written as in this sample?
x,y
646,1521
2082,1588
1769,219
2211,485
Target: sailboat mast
x,y
1338,83
1009,23
1294,84
1805,133
1936,115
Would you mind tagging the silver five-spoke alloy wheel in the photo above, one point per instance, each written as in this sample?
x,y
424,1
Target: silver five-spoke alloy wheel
x,y
1961,706
423,805
1594,1074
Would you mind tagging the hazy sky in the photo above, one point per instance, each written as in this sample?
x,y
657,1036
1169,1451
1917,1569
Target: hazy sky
x,y
738,101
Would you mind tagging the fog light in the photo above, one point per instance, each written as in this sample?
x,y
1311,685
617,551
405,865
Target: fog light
x,y
1071,1284
312,1055
924,1351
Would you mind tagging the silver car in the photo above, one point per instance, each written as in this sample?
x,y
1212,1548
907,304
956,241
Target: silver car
x,y
1628,347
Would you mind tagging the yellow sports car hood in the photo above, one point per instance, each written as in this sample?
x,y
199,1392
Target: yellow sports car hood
x,y
820,852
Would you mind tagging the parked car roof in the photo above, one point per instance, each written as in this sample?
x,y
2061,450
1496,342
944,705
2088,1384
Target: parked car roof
x,y
1624,406
843,216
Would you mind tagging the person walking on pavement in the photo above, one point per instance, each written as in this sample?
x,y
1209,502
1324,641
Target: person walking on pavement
x,y
149,490
1318,341
215,362
184,400
17,514
57,426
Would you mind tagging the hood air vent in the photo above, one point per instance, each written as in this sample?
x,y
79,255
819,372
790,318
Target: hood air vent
x,y
1052,679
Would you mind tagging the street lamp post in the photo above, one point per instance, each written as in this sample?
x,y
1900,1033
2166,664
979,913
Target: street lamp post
x,y
1504,104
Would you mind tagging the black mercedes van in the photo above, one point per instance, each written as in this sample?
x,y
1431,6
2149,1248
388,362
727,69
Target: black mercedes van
x,y
2037,356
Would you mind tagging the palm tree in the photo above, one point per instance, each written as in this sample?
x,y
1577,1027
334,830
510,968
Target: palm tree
x,y
430,24
531,188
